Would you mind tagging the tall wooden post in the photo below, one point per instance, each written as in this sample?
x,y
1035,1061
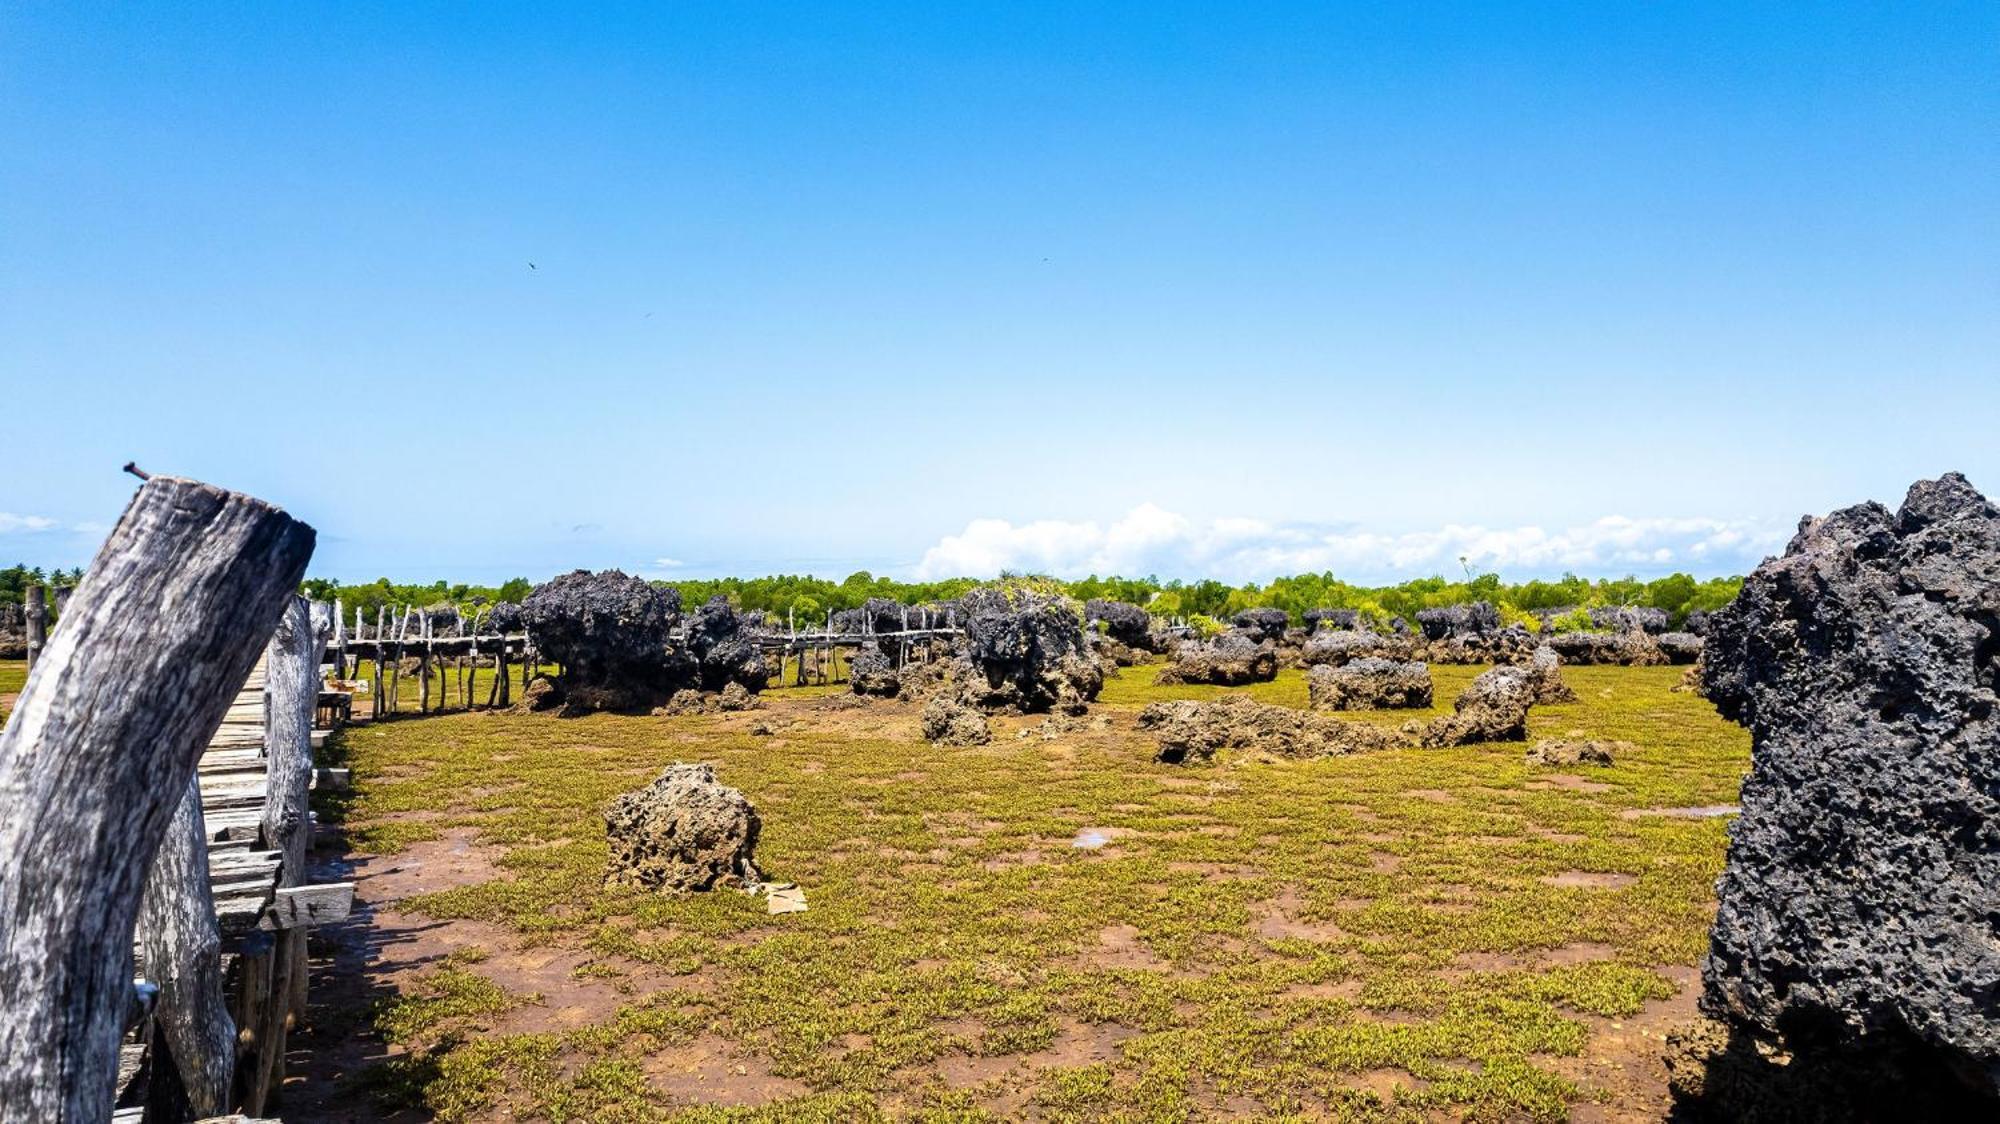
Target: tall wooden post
x,y
35,613
97,758
194,1039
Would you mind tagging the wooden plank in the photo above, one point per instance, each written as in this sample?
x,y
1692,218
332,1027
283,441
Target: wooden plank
x,y
302,907
97,757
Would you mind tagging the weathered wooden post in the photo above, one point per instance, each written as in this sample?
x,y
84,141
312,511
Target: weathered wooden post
x,y
97,758
194,1039
291,689
35,613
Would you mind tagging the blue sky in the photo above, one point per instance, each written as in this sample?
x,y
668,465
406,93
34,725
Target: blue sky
x,y
920,288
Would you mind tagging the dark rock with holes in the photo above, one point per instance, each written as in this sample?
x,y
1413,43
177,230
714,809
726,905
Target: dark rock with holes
x,y
1025,653
684,832
1628,618
502,618
872,673
1126,623
1369,684
1470,619
1493,708
1697,623
1263,624
1191,732
1230,659
1857,911
877,614
609,631
1323,619
723,645
947,719
1545,676
1679,647
1631,648
1339,646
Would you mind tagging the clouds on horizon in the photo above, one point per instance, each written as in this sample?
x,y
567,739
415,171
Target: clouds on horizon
x,y
13,524
1152,540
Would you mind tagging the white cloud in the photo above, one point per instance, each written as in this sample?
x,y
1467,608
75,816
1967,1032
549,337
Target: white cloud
x,y
1151,540
12,524
668,564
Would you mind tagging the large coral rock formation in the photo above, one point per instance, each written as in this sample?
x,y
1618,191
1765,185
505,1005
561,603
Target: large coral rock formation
x,y
683,832
1338,646
609,631
723,645
872,673
1493,708
1679,647
1230,659
1627,618
1191,732
1630,648
1545,675
1858,910
1321,619
1369,684
1262,624
1473,619
1025,652
1128,624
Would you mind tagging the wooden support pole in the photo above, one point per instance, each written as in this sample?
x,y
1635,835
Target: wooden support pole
x,y
381,644
194,1039
35,614
96,759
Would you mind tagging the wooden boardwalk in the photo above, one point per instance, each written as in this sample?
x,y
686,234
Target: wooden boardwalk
x,y
254,909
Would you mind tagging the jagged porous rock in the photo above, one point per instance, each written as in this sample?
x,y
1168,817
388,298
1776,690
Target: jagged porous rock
x,y
1369,684
541,693
1627,618
1505,645
1342,619
1557,752
1192,732
1545,675
1493,708
1263,624
685,701
1231,659
872,673
1697,623
1857,912
1690,683
1629,649
877,614
1339,646
723,645
1471,619
950,720
736,697
1128,624
1026,653
609,631
683,832
919,681
501,618
1679,647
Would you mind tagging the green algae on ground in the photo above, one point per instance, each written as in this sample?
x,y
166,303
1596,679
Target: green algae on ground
x,y
1254,937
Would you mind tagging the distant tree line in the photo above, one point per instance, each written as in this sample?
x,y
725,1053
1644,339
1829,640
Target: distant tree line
x,y
806,598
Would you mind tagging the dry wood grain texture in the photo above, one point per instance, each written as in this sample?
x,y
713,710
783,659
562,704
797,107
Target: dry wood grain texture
x,y
96,758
